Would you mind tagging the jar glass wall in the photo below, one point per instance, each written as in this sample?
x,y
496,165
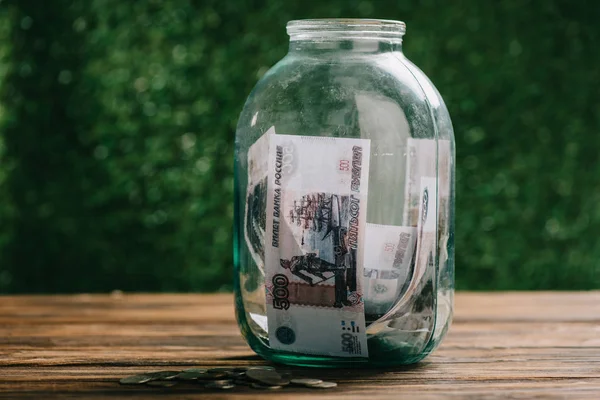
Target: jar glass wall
x,y
350,79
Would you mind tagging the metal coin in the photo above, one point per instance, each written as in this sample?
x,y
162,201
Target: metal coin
x,y
190,376
162,383
323,385
243,381
235,374
200,370
267,377
211,376
263,367
286,375
221,382
224,385
221,369
306,381
163,375
265,387
135,379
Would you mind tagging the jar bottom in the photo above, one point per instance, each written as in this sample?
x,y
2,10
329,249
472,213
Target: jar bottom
x,y
392,358
386,351
388,348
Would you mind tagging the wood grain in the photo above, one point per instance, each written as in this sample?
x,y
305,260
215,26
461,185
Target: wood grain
x,y
501,345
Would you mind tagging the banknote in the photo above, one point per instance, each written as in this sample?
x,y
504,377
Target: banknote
x,y
389,252
445,160
255,215
314,248
420,162
428,158
444,167
426,249
427,227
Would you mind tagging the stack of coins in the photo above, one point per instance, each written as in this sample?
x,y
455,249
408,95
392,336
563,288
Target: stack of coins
x,y
226,378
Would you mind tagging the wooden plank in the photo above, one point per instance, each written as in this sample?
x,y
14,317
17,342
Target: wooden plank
x,y
523,345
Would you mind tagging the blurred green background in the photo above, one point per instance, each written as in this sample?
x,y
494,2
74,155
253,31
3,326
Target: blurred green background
x,y
117,121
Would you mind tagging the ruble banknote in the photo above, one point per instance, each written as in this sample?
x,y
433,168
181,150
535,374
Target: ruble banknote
x,y
426,248
314,247
389,252
256,199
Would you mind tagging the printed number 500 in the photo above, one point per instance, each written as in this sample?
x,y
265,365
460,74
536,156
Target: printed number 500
x,y
280,292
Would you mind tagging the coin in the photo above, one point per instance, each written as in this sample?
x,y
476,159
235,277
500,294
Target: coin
x,y
265,387
221,369
305,381
135,379
285,375
211,376
267,377
162,383
201,370
224,385
221,382
323,385
235,374
163,375
263,367
190,376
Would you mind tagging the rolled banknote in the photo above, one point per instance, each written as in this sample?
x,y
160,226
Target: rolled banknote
x,y
314,248
428,158
444,189
388,265
255,216
425,251
421,162
426,207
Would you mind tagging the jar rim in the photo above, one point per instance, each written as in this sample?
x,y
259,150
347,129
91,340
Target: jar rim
x,y
355,27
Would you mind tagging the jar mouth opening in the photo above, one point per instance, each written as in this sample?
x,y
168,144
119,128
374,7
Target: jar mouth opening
x,y
340,28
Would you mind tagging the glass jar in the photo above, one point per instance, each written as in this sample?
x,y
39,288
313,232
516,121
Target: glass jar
x,y
344,202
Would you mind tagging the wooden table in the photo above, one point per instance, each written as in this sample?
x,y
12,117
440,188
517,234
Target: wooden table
x,y
517,345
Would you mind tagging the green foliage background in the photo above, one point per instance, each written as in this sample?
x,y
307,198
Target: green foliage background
x,y
117,121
